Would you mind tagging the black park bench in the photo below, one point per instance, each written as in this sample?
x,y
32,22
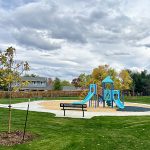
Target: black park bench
x,y
69,106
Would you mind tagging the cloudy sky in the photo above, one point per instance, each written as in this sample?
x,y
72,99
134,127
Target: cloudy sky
x,y
64,38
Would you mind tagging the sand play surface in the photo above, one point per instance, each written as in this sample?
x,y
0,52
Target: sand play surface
x,y
55,105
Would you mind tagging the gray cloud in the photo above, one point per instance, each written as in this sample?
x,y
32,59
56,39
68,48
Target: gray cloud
x,y
67,28
147,45
98,15
117,54
58,25
13,4
70,37
35,39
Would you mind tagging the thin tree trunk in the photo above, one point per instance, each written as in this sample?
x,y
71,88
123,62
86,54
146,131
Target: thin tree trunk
x,y
133,90
9,117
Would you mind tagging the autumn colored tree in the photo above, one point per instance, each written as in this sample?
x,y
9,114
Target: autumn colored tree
x,y
76,82
84,80
122,80
125,79
100,72
11,72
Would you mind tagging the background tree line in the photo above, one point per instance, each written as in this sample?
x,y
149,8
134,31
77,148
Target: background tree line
x,y
122,80
141,82
138,83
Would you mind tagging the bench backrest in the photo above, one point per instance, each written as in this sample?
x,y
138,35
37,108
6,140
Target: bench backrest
x,y
73,105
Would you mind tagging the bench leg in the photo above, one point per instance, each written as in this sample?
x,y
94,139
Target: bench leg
x,y
64,112
83,113
103,103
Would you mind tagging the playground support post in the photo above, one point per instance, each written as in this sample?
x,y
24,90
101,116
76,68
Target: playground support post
x,y
94,101
103,103
97,100
103,87
122,94
112,89
95,97
112,105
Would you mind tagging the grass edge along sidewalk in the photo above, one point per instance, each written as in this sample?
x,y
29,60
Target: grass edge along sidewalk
x,y
20,100
138,99
66,133
134,99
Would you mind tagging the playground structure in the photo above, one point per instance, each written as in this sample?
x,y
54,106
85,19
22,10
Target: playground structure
x,y
109,95
91,96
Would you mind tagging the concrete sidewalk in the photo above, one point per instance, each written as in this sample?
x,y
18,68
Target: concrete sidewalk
x,y
34,106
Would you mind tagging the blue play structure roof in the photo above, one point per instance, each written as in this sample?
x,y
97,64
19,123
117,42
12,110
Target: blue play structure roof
x,y
108,80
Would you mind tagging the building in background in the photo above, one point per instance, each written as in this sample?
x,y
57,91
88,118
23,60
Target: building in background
x,y
36,84
42,84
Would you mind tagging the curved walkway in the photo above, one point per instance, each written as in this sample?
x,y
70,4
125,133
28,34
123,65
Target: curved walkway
x,y
131,109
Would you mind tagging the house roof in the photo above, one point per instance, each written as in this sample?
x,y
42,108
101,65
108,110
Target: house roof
x,y
34,79
108,80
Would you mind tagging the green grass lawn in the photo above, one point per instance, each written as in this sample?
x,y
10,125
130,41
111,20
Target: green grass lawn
x,y
98,133
138,99
135,99
19,100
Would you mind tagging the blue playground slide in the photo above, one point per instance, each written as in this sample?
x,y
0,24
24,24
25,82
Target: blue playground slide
x,y
86,99
119,103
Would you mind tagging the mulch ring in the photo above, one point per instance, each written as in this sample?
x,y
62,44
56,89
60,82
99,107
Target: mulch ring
x,y
15,137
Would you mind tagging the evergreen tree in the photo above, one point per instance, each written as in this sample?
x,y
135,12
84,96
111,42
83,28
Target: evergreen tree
x,y
141,82
57,84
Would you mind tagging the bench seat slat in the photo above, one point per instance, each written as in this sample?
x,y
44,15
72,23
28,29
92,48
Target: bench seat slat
x,y
69,106
73,105
74,109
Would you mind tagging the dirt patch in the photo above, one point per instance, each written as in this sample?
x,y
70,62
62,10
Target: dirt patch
x,y
15,137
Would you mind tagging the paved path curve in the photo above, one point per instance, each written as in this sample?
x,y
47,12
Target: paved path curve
x,y
143,110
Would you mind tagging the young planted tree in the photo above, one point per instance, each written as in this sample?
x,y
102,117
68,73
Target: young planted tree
x,y
11,72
